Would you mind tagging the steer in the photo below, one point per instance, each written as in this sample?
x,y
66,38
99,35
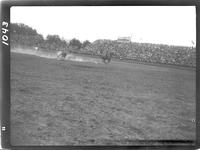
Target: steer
x,y
61,55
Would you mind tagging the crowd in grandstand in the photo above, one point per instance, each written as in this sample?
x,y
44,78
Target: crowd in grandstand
x,y
154,53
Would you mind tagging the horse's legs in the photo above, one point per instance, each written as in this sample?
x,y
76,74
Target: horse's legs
x,y
105,61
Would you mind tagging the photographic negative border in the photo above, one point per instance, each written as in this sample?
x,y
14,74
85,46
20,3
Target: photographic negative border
x,y
5,49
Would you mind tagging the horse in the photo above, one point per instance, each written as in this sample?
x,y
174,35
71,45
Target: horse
x,y
61,55
106,57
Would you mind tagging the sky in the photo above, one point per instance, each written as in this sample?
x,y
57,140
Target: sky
x,y
172,25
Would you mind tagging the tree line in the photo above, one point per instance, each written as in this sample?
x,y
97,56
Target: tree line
x,y
23,35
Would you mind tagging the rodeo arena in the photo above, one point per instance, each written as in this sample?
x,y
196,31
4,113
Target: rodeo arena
x,y
106,92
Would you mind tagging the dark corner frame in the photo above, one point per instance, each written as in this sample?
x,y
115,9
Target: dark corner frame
x,y
5,64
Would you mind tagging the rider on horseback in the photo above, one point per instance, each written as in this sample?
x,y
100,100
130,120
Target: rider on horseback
x,y
106,57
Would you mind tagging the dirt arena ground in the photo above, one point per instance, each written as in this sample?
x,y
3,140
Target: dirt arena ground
x,y
82,103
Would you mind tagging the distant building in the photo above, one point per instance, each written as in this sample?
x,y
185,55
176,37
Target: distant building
x,y
124,39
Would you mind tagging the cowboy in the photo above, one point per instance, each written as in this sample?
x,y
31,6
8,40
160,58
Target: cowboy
x,y
106,57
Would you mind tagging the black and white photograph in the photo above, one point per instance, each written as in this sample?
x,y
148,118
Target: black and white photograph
x,y
102,75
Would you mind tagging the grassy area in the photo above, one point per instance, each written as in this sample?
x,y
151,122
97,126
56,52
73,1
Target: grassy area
x,y
74,103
